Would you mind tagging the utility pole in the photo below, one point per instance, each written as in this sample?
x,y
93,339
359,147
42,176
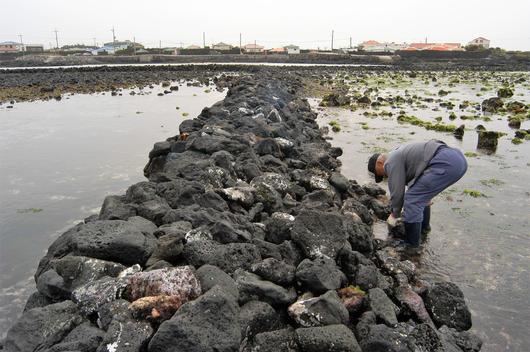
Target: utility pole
x,y
332,34
160,47
240,48
21,44
95,44
203,40
56,39
134,46
350,42
113,40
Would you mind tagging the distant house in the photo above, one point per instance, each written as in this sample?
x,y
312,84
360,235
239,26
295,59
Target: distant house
x,y
434,47
381,47
253,48
277,51
292,49
34,48
480,41
222,46
11,47
112,47
193,47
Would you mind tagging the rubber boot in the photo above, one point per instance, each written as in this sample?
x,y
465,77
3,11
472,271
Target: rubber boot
x,y
412,234
426,224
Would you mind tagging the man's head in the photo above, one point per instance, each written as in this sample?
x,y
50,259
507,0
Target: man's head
x,y
376,165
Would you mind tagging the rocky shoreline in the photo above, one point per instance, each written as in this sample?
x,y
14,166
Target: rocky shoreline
x,y
245,237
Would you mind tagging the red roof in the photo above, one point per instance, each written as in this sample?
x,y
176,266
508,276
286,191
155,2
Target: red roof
x,y
371,42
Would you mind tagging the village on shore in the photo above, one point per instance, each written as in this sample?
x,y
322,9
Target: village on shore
x,y
128,47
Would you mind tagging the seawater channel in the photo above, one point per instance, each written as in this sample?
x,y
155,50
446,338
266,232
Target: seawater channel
x,y
59,159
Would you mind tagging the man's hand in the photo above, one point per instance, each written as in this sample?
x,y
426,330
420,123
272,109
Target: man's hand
x,y
392,221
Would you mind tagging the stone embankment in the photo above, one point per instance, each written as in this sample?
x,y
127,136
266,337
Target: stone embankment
x,y
245,237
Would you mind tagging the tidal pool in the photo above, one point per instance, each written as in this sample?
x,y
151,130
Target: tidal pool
x,y
59,159
481,243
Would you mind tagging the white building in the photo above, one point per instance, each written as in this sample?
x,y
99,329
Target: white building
x,y
480,41
381,47
253,48
222,46
292,49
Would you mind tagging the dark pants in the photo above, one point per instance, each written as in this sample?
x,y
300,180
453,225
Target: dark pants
x,y
446,167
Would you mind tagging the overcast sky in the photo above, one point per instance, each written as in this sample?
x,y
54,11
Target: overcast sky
x,y
271,23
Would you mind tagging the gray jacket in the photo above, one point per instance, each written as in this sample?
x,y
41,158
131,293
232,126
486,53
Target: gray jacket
x,y
404,165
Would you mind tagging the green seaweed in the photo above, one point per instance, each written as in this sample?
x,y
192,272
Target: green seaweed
x,y
473,193
471,154
29,210
335,126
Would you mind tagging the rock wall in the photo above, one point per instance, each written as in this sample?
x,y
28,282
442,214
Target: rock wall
x,y
245,237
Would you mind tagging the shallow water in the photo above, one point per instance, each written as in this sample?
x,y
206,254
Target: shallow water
x,y
482,244
59,159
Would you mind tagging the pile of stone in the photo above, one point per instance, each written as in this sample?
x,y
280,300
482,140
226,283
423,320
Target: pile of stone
x,y
244,238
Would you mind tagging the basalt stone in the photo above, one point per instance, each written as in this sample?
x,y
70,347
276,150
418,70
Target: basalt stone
x,y
113,240
212,200
116,309
366,277
160,148
352,205
382,306
178,281
282,340
252,287
279,227
78,270
153,210
41,328
127,336
332,338
459,132
232,256
141,192
200,252
453,340
373,189
319,275
52,285
339,181
268,146
210,144
382,338
276,271
319,234
364,324
210,276
412,304
224,232
488,140
256,317
92,295
168,248
241,195
360,236
84,338
116,208
180,192
193,328
326,309
445,302
290,253
177,229
37,300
